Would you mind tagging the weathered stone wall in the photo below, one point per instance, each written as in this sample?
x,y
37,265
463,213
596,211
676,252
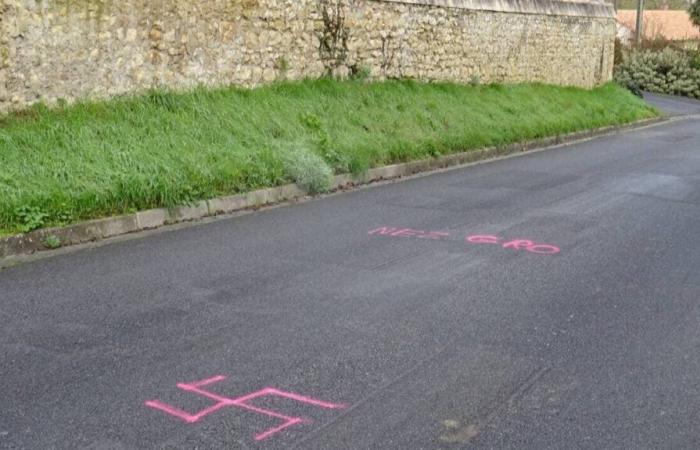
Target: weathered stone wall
x,y
71,49
403,39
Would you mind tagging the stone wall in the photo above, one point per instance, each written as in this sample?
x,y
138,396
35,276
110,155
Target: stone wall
x,y
72,49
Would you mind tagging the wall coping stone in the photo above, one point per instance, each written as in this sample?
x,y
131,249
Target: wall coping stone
x,y
542,7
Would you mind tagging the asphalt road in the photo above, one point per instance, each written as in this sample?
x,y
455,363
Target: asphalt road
x,y
544,301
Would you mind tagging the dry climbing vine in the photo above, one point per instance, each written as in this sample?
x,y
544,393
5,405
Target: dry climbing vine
x,y
333,37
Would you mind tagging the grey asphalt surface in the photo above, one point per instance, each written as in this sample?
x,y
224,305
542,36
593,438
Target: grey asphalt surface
x,y
427,343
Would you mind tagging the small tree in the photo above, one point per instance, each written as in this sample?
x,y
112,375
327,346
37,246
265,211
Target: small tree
x,y
694,11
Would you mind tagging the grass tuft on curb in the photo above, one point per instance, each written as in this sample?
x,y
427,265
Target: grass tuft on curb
x,y
164,149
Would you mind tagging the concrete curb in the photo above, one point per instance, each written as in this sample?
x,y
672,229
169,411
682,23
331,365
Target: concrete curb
x,y
94,230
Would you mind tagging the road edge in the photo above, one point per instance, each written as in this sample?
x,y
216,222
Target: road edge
x,y
23,245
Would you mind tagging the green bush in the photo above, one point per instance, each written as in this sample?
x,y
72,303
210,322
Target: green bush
x,y
30,218
669,71
307,169
695,62
694,12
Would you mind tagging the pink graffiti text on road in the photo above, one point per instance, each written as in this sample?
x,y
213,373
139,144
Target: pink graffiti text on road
x,y
408,232
240,402
516,244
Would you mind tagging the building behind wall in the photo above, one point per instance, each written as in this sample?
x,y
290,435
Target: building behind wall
x,y
659,24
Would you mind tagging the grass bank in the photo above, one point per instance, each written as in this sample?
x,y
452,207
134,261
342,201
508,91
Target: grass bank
x,y
165,149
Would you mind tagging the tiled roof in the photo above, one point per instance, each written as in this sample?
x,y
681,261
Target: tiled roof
x,y
675,25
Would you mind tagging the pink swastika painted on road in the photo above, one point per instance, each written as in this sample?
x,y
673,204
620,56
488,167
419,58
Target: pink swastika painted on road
x,y
240,402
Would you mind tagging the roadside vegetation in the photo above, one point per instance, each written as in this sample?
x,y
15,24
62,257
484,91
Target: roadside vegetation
x,y
95,159
660,66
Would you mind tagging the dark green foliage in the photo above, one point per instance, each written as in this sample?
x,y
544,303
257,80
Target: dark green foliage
x,y
694,11
30,218
51,242
634,88
619,55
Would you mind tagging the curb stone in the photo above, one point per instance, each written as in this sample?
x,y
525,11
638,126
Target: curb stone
x,y
93,230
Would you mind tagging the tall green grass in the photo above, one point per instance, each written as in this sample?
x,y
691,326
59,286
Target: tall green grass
x,y
164,149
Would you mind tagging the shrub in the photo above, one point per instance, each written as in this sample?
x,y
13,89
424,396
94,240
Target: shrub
x,y
30,218
307,169
669,71
694,11
695,62
51,242
634,88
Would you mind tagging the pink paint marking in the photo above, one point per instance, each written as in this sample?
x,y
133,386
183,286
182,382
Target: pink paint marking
x,y
239,402
298,398
516,244
484,239
544,249
406,232
183,415
206,382
409,232
271,431
383,231
519,244
434,235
